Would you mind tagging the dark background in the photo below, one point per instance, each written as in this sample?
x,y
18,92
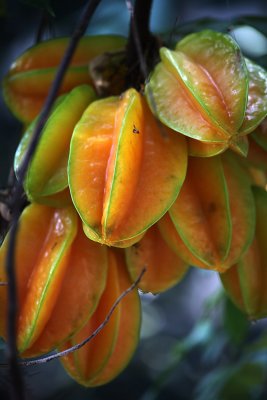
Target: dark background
x,y
194,343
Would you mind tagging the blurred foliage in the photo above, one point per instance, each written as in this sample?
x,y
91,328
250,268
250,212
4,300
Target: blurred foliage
x,y
225,360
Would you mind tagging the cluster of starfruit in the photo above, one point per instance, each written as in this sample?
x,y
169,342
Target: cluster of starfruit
x,y
163,179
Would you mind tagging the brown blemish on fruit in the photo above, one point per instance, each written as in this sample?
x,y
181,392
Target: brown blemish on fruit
x,y
135,130
211,208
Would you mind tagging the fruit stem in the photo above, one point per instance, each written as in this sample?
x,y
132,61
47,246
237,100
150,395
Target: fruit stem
x,y
44,22
142,46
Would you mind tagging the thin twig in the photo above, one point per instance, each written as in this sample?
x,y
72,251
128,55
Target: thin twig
x,y
95,333
15,374
42,26
138,39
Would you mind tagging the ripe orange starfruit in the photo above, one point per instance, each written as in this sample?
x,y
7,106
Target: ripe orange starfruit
x,y
213,219
60,277
28,81
245,281
207,91
164,267
46,179
102,359
124,172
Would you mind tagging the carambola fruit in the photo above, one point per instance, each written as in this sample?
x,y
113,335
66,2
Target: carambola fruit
x,y
28,81
60,274
124,172
104,357
213,219
245,282
164,268
207,91
46,180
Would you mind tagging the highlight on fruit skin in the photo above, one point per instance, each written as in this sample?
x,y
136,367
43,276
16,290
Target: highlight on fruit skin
x,y
212,222
28,81
245,281
102,359
124,172
206,90
60,274
46,180
164,268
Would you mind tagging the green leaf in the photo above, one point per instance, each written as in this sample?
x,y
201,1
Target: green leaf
x,y
243,382
231,382
235,322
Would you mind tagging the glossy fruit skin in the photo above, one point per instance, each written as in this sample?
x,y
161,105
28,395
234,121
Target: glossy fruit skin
x,y
49,243
212,222
46,181
28,81
102,359
245,281
207,91
135,170
164,267
205,218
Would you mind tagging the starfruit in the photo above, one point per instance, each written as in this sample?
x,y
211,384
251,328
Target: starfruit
x,y
164,268
60,278
212,222
46,179
245,282
28,81
206,90
124,171
103,358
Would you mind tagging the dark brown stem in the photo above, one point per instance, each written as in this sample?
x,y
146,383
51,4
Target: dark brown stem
x,y
44,20
17,386
142,47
